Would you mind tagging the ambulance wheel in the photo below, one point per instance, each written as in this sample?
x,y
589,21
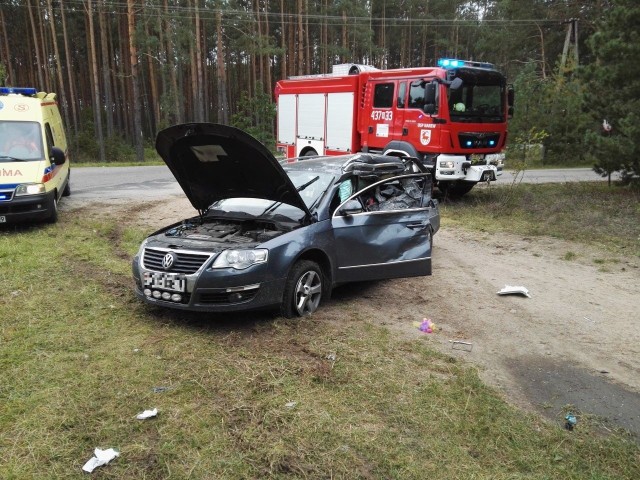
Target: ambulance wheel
x,y
53,217
303,290
67,188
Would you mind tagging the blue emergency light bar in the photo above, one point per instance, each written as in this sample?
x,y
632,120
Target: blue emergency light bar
x,y
18,90
455,63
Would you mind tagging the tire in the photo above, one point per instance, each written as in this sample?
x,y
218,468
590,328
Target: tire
x,y
67,188
310,153
455,189
303,290
53,217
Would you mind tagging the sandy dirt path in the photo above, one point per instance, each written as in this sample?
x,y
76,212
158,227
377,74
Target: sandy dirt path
x,y
574,345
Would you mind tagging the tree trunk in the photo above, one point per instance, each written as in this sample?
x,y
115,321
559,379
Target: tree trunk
x,y
300,40
267,56
106,80
173,73
6,51
133,55
63,96
199,98
36,47
306,36
73,101
154,101
223,103
96,86
283,42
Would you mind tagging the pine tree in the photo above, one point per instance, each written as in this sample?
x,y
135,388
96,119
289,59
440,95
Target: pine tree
x,y
612,93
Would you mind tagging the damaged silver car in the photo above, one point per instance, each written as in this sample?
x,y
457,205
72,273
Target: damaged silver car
x,y
269,234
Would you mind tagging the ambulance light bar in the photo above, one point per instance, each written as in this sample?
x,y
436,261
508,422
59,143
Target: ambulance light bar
x,y
18,90
455,63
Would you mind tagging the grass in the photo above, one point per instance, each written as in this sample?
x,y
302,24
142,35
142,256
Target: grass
x,y
80,357
589,213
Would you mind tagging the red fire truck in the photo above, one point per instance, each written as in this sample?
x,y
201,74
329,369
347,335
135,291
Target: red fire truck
x,y
452,117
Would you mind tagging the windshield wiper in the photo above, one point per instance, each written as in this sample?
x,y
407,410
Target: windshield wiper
x,y
302,187
13,159
277,203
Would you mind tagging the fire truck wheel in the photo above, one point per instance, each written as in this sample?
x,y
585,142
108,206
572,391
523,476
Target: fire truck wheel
x,y
310,153
455,189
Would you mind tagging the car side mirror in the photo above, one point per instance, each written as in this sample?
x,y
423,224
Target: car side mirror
x,y
57,156
351,207
430,91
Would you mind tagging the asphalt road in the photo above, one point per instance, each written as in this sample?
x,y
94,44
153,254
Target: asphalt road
x,y
118,184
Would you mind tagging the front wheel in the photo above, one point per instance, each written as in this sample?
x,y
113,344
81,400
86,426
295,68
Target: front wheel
x,y
303,290
53,217
455,189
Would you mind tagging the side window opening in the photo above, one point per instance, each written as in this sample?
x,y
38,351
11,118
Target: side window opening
x,y
416,96
396,194
402,91
49,135
383,95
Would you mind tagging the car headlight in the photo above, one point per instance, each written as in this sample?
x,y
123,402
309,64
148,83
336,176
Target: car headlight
x,y
240,259
447,164
30,189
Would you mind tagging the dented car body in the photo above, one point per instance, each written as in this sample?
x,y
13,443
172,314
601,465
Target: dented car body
x,y
270,234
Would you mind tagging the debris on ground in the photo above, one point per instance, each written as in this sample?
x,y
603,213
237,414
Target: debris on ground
x,y
460,345
426,326
101,457
514,290
161,389
291,404
147,414
570,421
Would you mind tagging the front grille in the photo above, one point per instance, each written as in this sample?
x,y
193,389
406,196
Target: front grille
x,y
185,262
478,140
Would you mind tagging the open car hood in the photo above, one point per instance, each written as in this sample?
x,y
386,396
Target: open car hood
x,y
212,162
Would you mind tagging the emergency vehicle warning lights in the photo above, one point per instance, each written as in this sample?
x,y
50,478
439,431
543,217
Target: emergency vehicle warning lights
x,y
18,90
455,63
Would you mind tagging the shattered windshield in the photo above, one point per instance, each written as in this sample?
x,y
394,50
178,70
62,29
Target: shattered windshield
x,y
311,185
20,141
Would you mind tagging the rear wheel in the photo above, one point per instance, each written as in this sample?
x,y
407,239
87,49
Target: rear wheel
x,y
67,188
310,153
303,290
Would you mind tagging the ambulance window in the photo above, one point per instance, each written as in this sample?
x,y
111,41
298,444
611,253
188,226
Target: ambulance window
x,y
47,131
401,94
383,95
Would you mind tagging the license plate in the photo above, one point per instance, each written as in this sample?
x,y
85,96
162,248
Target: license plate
x,y
174,282
3,219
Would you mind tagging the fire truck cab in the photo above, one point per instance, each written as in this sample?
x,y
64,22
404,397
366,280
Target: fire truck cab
x,y
452,117
34,170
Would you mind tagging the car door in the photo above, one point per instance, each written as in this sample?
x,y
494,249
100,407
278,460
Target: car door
x,y
385,237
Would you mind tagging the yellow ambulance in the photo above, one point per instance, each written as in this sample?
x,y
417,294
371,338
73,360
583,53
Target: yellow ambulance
x,y
34,169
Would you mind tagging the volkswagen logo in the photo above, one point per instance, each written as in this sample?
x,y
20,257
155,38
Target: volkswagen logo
x,y
168,261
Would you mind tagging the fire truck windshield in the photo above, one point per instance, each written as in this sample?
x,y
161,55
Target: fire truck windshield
x,y
480,99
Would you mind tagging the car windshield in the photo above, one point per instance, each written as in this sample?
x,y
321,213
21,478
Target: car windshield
x,y
20,141
311,186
